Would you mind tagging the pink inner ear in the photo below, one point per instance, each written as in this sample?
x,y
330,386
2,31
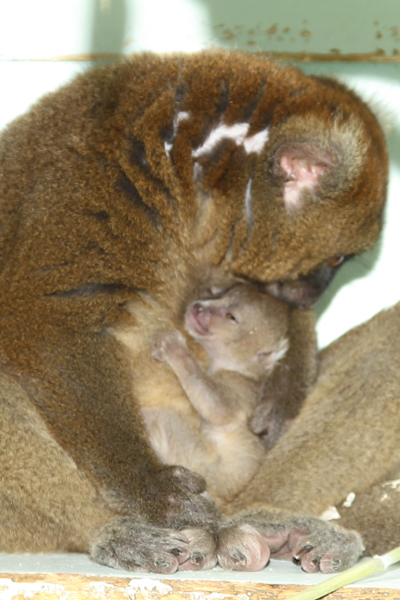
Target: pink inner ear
x,y
303,173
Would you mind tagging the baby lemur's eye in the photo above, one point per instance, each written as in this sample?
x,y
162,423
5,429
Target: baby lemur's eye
x,y
231,317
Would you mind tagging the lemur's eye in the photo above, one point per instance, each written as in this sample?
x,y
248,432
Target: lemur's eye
x,y
336,261
231,317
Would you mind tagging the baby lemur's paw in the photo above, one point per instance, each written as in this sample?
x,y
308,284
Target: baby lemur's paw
x,y
168,344
133,546
246,543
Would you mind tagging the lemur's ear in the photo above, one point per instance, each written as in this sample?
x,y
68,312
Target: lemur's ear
x,y
304,164
309,154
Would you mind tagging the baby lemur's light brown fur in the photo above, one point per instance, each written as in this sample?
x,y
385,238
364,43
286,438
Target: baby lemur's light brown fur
x,y
127,186
203,424
225,406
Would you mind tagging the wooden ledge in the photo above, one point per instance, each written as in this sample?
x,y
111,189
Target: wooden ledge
x,y
75,577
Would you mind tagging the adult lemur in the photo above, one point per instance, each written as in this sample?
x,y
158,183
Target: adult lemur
x,y
132,186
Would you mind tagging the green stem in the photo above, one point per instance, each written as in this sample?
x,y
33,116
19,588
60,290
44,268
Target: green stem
x,y
365,569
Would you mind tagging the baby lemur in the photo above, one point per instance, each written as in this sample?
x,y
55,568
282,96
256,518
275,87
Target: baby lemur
x,y
244,334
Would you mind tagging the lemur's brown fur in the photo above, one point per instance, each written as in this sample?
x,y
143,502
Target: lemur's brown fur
x,y
114,189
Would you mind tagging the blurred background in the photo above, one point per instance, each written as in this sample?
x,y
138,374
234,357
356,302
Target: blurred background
x,y
43,43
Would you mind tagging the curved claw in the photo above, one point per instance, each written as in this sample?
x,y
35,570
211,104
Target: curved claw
x,y
242,548
202,545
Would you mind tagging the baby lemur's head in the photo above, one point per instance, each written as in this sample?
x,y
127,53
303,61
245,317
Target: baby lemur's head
x,y
242,330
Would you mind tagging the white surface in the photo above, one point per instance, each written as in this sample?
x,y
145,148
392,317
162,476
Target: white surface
x,y
277,572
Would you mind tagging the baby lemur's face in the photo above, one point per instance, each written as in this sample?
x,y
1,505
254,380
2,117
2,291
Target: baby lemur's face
x,y
242,330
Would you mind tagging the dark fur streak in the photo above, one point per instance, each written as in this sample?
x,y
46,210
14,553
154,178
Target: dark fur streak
x,y
217,152
223,100
95,246
133,195
248,112
101,215
267,120
137,153
220,107
180,93
167,134
250,108
93,289
296,93
54,267
232,242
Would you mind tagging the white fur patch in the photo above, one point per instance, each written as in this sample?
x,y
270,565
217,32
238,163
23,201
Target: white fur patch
x,y
349,500
292,194
235,132
179,117
197,172
238,133
255,143
330,514
248,203
293,191
168,148
394,484
283,348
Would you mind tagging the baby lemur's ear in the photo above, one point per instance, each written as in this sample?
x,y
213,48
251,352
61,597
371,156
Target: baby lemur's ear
x,y
317,157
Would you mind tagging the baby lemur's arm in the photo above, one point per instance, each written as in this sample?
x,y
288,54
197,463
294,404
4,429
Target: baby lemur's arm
x,y
206,396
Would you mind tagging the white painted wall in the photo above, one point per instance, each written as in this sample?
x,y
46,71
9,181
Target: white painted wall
x,y
53,28
43,43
